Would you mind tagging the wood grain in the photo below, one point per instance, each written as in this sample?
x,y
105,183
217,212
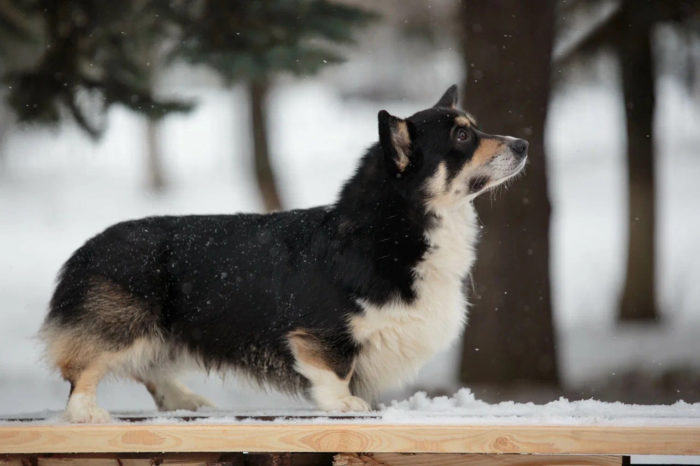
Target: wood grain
x,y
7,461
68,461
592,440
451,459
124,459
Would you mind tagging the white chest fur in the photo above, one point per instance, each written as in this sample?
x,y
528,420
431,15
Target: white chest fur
x,y
398,338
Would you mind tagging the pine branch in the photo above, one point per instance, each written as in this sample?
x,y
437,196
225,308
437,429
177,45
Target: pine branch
x,y
14,24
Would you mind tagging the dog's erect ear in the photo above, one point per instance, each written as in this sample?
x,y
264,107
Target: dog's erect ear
x,y
449,98
395,138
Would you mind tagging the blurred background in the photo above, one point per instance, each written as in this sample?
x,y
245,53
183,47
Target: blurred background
x,y
587,282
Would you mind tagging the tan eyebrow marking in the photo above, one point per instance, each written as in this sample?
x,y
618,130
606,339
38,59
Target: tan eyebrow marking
x,y
466,120
462,120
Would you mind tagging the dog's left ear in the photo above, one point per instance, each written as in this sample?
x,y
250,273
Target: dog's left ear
x,y
449,98
395,138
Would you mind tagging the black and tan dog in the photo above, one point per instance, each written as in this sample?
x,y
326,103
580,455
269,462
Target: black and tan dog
x,y
338,302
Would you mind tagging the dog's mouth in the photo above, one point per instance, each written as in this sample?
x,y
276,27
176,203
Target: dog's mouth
x,y
480,182
521,165
477,183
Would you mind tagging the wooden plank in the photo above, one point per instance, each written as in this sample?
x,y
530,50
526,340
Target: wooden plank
x,y
128,459
593,440
180,459
308,459
451,459
10,461
77,461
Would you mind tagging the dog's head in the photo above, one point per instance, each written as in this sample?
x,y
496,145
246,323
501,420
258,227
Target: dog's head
x,y
442,153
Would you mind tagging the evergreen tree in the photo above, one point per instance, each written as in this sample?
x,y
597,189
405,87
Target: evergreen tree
x,y
14,28
254,40
15,42
92,54
91,59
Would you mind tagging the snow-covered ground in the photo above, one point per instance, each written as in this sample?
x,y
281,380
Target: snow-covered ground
x,y
461,408
57,189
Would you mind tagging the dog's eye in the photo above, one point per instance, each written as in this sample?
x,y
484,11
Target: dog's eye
x,y
462,134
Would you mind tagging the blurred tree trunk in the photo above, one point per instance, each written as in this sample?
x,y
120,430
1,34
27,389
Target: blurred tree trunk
x,y
2,147
257,90
155,177
154,165
5,122
510,337
636,61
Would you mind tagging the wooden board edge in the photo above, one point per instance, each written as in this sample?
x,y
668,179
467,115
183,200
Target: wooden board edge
x,y
466,459
306,459
593,440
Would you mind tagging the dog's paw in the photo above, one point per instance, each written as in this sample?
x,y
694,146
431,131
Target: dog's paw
x,y
193,402
349,403
184,400
83,410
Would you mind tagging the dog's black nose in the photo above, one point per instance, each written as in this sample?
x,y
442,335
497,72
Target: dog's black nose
x,y
519,147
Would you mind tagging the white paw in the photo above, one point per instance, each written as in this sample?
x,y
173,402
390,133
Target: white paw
x,y
83,409
187,401
348,403
193,402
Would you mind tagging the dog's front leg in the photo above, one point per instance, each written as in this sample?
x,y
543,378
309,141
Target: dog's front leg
x,y
328,372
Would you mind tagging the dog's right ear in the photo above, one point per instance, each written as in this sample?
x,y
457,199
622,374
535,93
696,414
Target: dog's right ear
x,y
395,138
449,98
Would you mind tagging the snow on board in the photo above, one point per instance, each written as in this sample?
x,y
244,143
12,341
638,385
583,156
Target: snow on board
x,y
460,409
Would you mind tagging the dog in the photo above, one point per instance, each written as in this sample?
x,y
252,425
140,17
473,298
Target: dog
x,y
335,302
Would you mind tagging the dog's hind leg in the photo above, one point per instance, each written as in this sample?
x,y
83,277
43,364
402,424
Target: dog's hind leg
x,y
169,394
328,374
96,327
82,403
83,362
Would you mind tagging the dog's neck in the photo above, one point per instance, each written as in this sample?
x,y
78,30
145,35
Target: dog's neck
x,y
370,189
384,234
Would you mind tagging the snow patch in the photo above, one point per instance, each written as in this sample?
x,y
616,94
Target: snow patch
x,y
462,408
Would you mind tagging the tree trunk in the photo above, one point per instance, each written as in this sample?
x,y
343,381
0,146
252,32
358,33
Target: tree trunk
x,y
5,122
635,52
154,165
264,175
510,337
2,149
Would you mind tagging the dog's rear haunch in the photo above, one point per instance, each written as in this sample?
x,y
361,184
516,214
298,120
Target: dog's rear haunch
x,y
337,302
